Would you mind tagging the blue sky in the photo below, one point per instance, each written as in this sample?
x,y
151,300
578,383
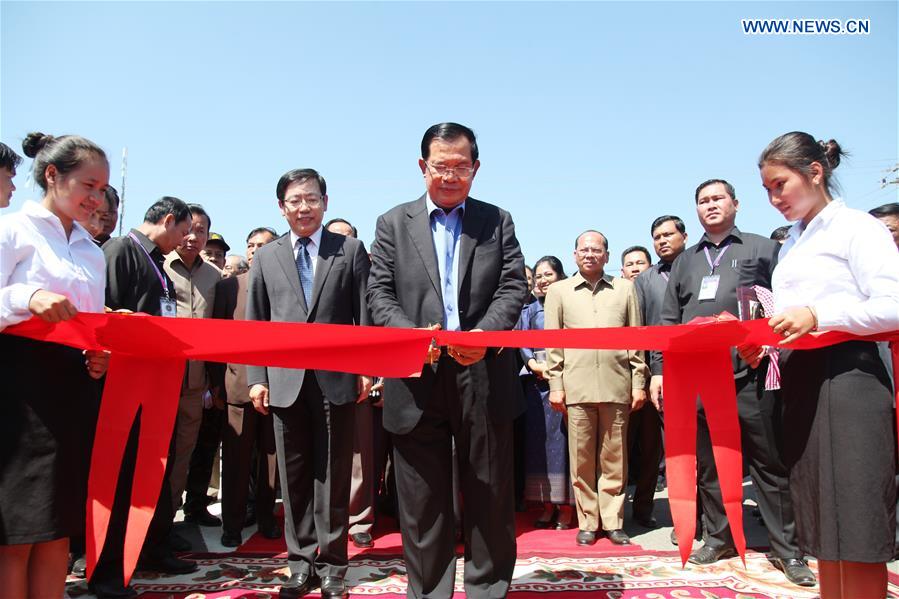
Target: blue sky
x,y
589,115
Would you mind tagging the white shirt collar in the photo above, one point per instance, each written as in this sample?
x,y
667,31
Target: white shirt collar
x,y
821,219
315,237
37,211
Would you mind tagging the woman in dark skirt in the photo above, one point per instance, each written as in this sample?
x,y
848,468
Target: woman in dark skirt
x,y
547,480
838,271
49,268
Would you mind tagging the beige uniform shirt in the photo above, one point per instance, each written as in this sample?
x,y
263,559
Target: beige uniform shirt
x,y
588,375
195,296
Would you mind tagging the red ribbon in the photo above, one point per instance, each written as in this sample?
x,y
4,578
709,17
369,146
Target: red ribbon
x,y
147,364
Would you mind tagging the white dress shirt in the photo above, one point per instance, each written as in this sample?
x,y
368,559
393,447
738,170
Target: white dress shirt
x,y
315,242
845,265
35,254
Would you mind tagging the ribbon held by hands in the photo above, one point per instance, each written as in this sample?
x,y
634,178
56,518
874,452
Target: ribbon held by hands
x,y
148,356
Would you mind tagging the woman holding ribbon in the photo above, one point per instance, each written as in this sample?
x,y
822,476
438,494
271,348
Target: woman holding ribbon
x,y
49,268
838,271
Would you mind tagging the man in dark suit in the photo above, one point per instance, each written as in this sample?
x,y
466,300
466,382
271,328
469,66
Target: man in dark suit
x,y
310,275
450,260
245,429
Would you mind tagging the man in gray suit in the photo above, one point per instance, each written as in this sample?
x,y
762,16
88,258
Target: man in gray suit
x,y
310,275
450,260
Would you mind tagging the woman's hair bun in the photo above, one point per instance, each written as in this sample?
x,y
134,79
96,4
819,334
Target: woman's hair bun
x,y
34,142
832,151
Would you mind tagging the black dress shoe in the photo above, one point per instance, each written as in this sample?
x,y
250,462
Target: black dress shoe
x,y
231,539
249,518
362,540
166,563
796,571
586,537
203,518
79,567
333,587
298,585
618,536
646,521
706,555
270,531
110,591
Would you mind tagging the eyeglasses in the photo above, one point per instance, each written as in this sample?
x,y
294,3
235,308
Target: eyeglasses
x,y
463,172
313,201
590,251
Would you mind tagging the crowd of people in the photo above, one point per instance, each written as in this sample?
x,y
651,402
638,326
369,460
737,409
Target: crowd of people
x,y
574,425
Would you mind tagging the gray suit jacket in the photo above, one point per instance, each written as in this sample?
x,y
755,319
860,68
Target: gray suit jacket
x,y
338,297
404,290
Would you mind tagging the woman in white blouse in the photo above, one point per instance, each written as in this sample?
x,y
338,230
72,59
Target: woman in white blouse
x,y
49,268
838,271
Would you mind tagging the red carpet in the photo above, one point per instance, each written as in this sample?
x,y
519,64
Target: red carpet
x,y
531,542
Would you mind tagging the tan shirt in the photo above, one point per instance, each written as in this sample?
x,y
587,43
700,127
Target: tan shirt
x,y
195,296
589,375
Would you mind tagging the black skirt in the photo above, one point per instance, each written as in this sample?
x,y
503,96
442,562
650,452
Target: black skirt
x,y
48,413
840,448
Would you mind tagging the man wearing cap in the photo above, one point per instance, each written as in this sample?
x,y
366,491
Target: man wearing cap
x,y
215,250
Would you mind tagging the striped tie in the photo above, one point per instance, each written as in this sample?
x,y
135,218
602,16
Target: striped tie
x,y
772,378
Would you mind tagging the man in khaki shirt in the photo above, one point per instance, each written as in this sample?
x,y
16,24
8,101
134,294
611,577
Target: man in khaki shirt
x,y
194,281
597,388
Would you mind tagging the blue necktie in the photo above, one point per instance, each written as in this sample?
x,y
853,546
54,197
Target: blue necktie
x,y
449,293
304,268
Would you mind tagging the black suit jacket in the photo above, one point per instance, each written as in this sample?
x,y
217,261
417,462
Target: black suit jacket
x,y
338,297
404,290
231,304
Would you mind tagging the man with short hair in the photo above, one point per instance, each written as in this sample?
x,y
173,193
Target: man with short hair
x,y
9,160
247,435
703,282
888,214
235,265
110,215
257,238
136,280
449,261
342,227
634,260
596,388
780,234
195,281
215,250
669,237
315,276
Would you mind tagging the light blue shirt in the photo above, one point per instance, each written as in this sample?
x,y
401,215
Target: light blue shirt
x,y
446,230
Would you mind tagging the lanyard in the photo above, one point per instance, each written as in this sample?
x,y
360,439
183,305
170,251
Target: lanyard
x,y
708,257
165,287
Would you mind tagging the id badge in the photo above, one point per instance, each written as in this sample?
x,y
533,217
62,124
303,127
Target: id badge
x,y
708,289
168,307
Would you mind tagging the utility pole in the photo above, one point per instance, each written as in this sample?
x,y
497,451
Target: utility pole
x,y
122,195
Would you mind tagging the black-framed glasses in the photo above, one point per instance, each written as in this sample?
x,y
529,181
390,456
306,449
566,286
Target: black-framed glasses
x,y
463,172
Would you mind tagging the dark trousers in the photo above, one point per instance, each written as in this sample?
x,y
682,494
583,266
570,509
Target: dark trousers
x,y
761,432
644,432
424,484
108,573
314,442
245,430
202,460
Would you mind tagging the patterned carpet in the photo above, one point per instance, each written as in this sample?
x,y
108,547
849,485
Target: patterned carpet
x,y
617,577
550,564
